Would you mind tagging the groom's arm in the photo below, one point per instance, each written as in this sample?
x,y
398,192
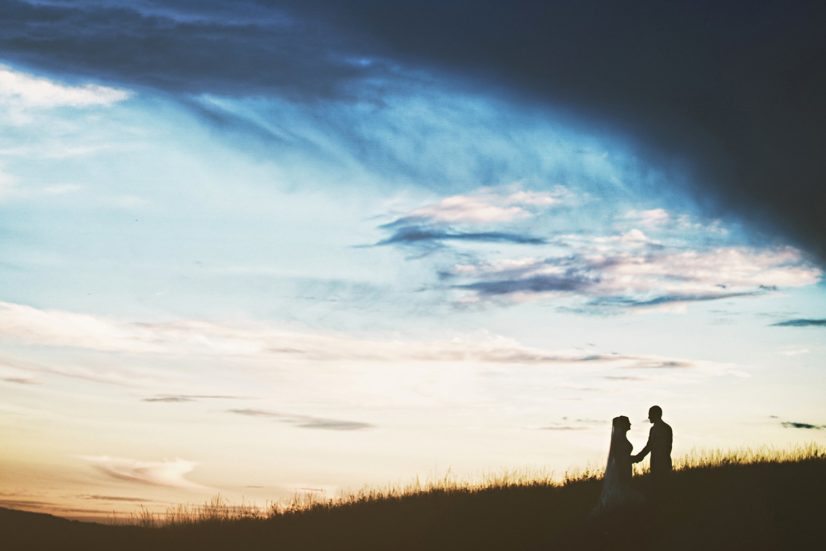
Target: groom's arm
x,y
643,452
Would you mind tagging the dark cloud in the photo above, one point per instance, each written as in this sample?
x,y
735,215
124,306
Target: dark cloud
x,y
731,93
427,235
184,49
801,322
304,421
798,425
177,398
571,282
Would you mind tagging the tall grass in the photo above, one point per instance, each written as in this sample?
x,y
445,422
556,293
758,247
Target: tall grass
x,y
702,458
219,510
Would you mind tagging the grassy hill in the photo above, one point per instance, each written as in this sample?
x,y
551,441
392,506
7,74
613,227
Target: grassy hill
x,y
716,503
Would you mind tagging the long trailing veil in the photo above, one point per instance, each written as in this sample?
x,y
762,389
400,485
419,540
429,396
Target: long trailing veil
x,y
613,484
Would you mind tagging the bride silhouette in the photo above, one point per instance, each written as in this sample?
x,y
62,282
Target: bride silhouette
x,y
617,490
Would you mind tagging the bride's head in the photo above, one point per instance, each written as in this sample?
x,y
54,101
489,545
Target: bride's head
x,y
621,424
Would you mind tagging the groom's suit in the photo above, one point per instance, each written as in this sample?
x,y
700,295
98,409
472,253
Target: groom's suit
x,y
659,445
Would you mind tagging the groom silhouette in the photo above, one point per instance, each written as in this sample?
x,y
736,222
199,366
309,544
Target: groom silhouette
x,y
659,445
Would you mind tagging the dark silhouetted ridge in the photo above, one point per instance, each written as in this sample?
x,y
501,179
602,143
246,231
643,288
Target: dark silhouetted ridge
x,y
730,506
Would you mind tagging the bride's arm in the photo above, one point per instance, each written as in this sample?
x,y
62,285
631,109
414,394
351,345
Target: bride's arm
x,y
643,452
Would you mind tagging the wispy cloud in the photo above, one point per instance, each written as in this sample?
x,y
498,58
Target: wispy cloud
x,y
633,272
304,421
50,507
28,325
177,398
675,298
21,90
115,375
801,322
9,189
649,218
660,219
573,424
169,473
561,427
654,259
487,205
458,217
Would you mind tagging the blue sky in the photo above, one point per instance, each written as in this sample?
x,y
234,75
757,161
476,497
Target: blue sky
x,y
367,257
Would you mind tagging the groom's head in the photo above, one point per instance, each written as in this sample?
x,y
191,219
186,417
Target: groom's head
x,y
655,413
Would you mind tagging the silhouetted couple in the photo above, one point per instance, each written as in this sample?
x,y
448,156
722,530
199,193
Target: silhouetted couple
x,y
617,489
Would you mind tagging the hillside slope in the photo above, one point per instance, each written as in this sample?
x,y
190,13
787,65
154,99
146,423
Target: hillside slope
x,y
760,506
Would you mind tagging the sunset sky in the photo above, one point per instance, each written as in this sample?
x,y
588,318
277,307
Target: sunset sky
x,y
264,248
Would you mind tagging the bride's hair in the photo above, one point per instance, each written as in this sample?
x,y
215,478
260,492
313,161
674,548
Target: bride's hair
x,y
620,423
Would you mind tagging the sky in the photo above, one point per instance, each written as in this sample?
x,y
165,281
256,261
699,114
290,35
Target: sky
x,y
261,249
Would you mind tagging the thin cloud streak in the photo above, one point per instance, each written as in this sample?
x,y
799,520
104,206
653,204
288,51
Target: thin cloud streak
x,y
125,499
20,380
799,425
418,234
625,302
561,428
801,322
305,421
52,508
179,398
